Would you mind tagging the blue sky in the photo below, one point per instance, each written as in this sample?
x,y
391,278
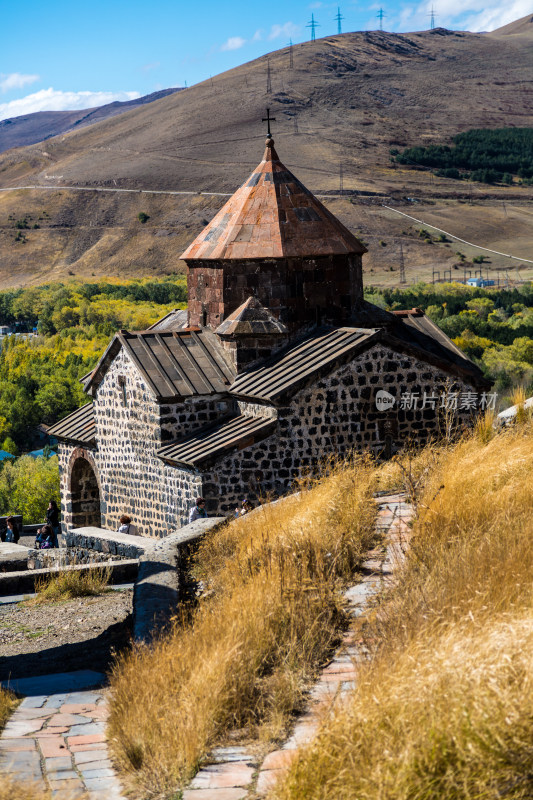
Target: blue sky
x,y
63,55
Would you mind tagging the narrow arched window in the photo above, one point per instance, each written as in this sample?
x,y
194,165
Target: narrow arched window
x,y
122,387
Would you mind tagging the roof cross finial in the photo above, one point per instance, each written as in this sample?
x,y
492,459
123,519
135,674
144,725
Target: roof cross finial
x,y
268,119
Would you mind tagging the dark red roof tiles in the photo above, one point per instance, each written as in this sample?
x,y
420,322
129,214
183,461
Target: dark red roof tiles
x,y
272,215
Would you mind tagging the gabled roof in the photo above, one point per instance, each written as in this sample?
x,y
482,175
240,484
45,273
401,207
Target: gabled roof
x,y
320,352
251,318
300,362
173,364
175,320
272,215
231,434
78,427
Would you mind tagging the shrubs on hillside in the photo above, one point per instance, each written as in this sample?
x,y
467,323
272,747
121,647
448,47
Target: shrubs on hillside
x,y
270,616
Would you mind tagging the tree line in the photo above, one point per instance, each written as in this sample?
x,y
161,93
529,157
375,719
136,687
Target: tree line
x,y
493,327
488,156
40,374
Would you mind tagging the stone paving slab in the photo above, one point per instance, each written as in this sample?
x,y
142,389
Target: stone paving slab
x,y
57,739
338,679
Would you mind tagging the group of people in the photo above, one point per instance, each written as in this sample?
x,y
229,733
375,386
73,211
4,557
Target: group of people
x,y
198,510
47,536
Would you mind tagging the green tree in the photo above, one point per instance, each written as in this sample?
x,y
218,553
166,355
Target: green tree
x,y
27,486
9,446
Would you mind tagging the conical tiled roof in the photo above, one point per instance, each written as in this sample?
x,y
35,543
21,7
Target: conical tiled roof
x,y
272,215
251,318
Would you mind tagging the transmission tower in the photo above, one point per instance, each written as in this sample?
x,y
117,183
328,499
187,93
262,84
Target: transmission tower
x,y
339,19
291,58
313,25
380,16
403,279
269,78
432,18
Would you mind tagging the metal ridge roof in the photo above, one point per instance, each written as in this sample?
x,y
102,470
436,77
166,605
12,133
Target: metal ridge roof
x,y
272,215
233,433
80,426
285,370
173,363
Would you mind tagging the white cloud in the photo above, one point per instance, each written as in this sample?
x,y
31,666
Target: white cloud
x,y
288,29
16,81
470,15
52,100
496,15
149,67
258,35
233,43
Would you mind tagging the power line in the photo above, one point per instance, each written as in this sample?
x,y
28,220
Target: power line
x,y
339,19
313,25
380,16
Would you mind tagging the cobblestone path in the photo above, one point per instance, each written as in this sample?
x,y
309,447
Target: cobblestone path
x,y
234,773
56,737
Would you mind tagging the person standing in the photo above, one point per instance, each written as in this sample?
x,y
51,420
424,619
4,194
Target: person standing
x,y
125,524
52,519
198,510
12,532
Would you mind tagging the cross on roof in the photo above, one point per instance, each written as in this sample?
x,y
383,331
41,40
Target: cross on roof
x,y
268,119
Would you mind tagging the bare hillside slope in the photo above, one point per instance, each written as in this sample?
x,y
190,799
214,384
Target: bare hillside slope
x,y
348,100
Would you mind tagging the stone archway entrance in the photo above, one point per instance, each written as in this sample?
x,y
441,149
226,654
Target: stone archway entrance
x,y
85,495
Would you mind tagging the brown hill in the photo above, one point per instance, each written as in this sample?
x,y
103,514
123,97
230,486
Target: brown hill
x,y
520,27
32,128
347,101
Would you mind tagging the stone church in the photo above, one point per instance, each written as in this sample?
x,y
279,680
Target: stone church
x,y
277,362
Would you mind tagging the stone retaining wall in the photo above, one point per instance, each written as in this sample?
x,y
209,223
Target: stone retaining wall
x,y
13,583
164,579
100,540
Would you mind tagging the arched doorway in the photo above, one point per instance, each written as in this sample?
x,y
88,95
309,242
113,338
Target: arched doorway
x,y
85,495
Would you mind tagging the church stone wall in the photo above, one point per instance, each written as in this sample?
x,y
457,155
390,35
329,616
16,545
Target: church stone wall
x,y
183,418
334,416
299,291
132,479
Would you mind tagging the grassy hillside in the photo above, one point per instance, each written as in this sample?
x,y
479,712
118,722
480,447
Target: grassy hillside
x,y
349,99
240,662
444,712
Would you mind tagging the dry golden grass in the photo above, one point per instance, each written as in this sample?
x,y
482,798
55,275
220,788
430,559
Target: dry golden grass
x,y
10,790
445,710
242,661
7,705
71,583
